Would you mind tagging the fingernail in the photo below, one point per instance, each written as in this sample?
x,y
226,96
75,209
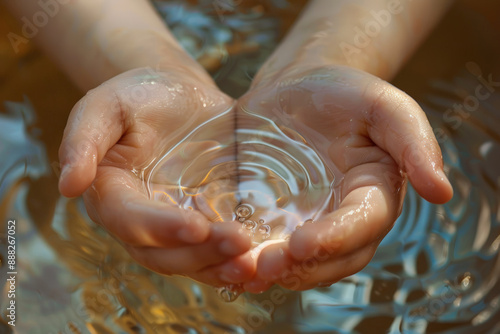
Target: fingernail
x,y
442,175
62,176
325,284
256,286
64,170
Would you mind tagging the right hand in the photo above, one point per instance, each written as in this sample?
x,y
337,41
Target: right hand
x,y
117,130
375,135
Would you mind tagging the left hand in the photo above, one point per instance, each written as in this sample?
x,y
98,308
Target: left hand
x,y
119,129
377,135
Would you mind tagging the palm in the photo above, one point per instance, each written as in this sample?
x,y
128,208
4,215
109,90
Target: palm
x,y
370,133
121,129
154,132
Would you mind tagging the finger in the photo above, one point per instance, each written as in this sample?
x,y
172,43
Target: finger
x,y
141,103
330,272
257,286
371,202
234,271
225,242
115,202
95,124
278,266
396,123
272,261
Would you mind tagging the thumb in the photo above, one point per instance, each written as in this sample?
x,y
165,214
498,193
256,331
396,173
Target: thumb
x,y
397,124
95,124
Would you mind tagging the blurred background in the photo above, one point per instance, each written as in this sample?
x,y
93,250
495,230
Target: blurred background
x,y
438,271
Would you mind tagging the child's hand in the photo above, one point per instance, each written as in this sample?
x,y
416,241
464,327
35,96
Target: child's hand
x,y
374,131
121,127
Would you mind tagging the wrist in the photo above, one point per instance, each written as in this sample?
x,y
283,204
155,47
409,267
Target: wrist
x,y
299,68
368,35
313,53
124,50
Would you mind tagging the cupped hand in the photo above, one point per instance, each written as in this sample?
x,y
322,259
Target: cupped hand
x,y
377,136
115,132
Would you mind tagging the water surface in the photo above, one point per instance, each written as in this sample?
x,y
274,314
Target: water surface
x,y
437,271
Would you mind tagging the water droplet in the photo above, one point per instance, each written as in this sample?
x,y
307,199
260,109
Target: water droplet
x,y
249,224
229,293
244,211
495,245
264,229
325,284
261,221
308,221
241,219
465,281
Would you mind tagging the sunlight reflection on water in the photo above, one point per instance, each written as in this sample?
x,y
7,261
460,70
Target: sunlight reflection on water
x,y
437,271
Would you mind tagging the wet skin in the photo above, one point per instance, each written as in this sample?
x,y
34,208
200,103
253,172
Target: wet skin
x,y
376,134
